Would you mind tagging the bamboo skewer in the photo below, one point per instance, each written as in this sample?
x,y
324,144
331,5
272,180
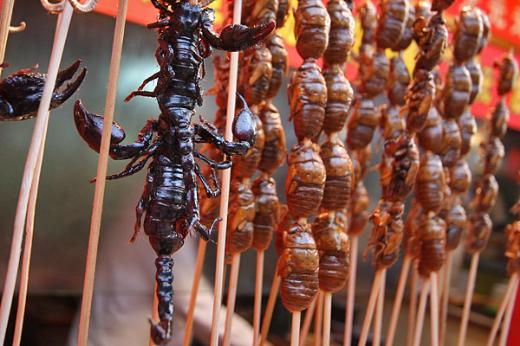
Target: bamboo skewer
x,y
378,319
374,293
445,297
434,309
97,208
295,328
226,179
421,311
412,312
307,322
199,264
396,308
507,317
6,14
271,301
327,311
467,300
351,291
318,319
42,119
502,309
258,296
232,294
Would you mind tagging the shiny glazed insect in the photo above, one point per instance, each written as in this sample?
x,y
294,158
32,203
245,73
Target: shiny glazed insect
x,y
431,135
432,244
374,73
480,227
339,99
451,142
460,177
339,171
274,149
407,36
430,183
432,38
368,16
513,247
311,28
255,74
499,119
359,214
362,124
341,35
468,127
170,202
486,193
398,81
268,211
494,154
419,100
508,74
21,91
468,34
392,22
393,124
456,223
456,92
279,63
244,166
477,78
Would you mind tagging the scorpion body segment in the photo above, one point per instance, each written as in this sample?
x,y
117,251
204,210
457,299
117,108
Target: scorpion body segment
x,y
338,167
341,35
432,248
468,34
339,99
245,165
362,124
311,28
392,22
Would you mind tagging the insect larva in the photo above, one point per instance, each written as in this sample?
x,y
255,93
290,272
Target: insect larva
x,y
341,35
399,79
274,151
494,154
311,28
407,36
460,177
456,223
279,63
359,215
430,182
339,99
468,127
362,124
467,34
480,226
451,142
432,234
392,21
475,72
431,135
338,185
456,92
374,73
267,213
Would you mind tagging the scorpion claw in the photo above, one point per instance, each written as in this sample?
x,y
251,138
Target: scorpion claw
x,y
239,37
60,97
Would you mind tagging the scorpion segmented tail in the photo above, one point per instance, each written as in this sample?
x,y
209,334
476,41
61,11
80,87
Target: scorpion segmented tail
x,y
161,332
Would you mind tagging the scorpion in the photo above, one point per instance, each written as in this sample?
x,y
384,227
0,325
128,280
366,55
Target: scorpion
x,y
170,201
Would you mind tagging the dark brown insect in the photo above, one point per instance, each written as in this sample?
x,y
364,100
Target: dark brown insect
x,y
393,124
468,34
508,74
451,142
432,240
475,72
362,124
298,267
432,38
456,92
368,16
374,73
398,81
430,182
279,63
255,74
480,227
423,9
338,184
341,35
267,213
431,135
456,223
311,28
274,150
358,209
307,99
419,100
468,127
333,245
387,233
499,119
407,36
486,193
486,32
460,177
245,166
305,180
282,13
392,22
339,99
494,154
513,247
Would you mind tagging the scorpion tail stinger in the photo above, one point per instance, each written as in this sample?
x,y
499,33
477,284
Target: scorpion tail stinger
x,y
161,331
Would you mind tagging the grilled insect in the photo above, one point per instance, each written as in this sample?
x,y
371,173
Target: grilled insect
x,y
486,193
432,38
268,211
368,15
430,182
392,22
468,127
411,230
374,72
282,13
508,74
338,167
274,149
279,63
407,36
441,5
341,36
451,143
480,226
419,100
21,91
460,177
513,247
334,248
255,74
170,202
339,99
431,135
398,81
486,32
298,267
499,119
393,124
432,240
311,28
456,92
362,124
494,154
475,72
456,223
263,11
358,209
468,34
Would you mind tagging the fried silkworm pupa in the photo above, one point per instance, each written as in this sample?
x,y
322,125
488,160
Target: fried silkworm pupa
x,y
411,230
391,24
475,72
279,63
368,15
399,79
245,166
374,76
513,247
499,119
362,124
393,124
339,99
468,127
508,74
467,34
274,152
387,233
255,74
460,177
341,35
282,13
267,213
456,223
431,135
419,100
451,143
486,193
480,227
298,267
430,182
311,28
407,36
305,180
333,245
399,173
338,184
456,92
359,214
432,248
432,38
307,93
494,154
239,236
486,32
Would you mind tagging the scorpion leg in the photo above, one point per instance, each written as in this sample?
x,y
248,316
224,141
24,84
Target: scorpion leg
x,y
123,152
208,135
140,93
209,191
141,206
212,163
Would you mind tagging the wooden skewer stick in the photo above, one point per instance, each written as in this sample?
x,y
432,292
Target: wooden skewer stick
x,y
502,309
318,319
396,308
42,119
378,320
199,264
351,291
421,311
507,318
327,312
467,301
226,180
295,328
155,312
412,311
6,14
445,297
99,193
374,293
434,309
307,321
271,301
232,294
258,296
